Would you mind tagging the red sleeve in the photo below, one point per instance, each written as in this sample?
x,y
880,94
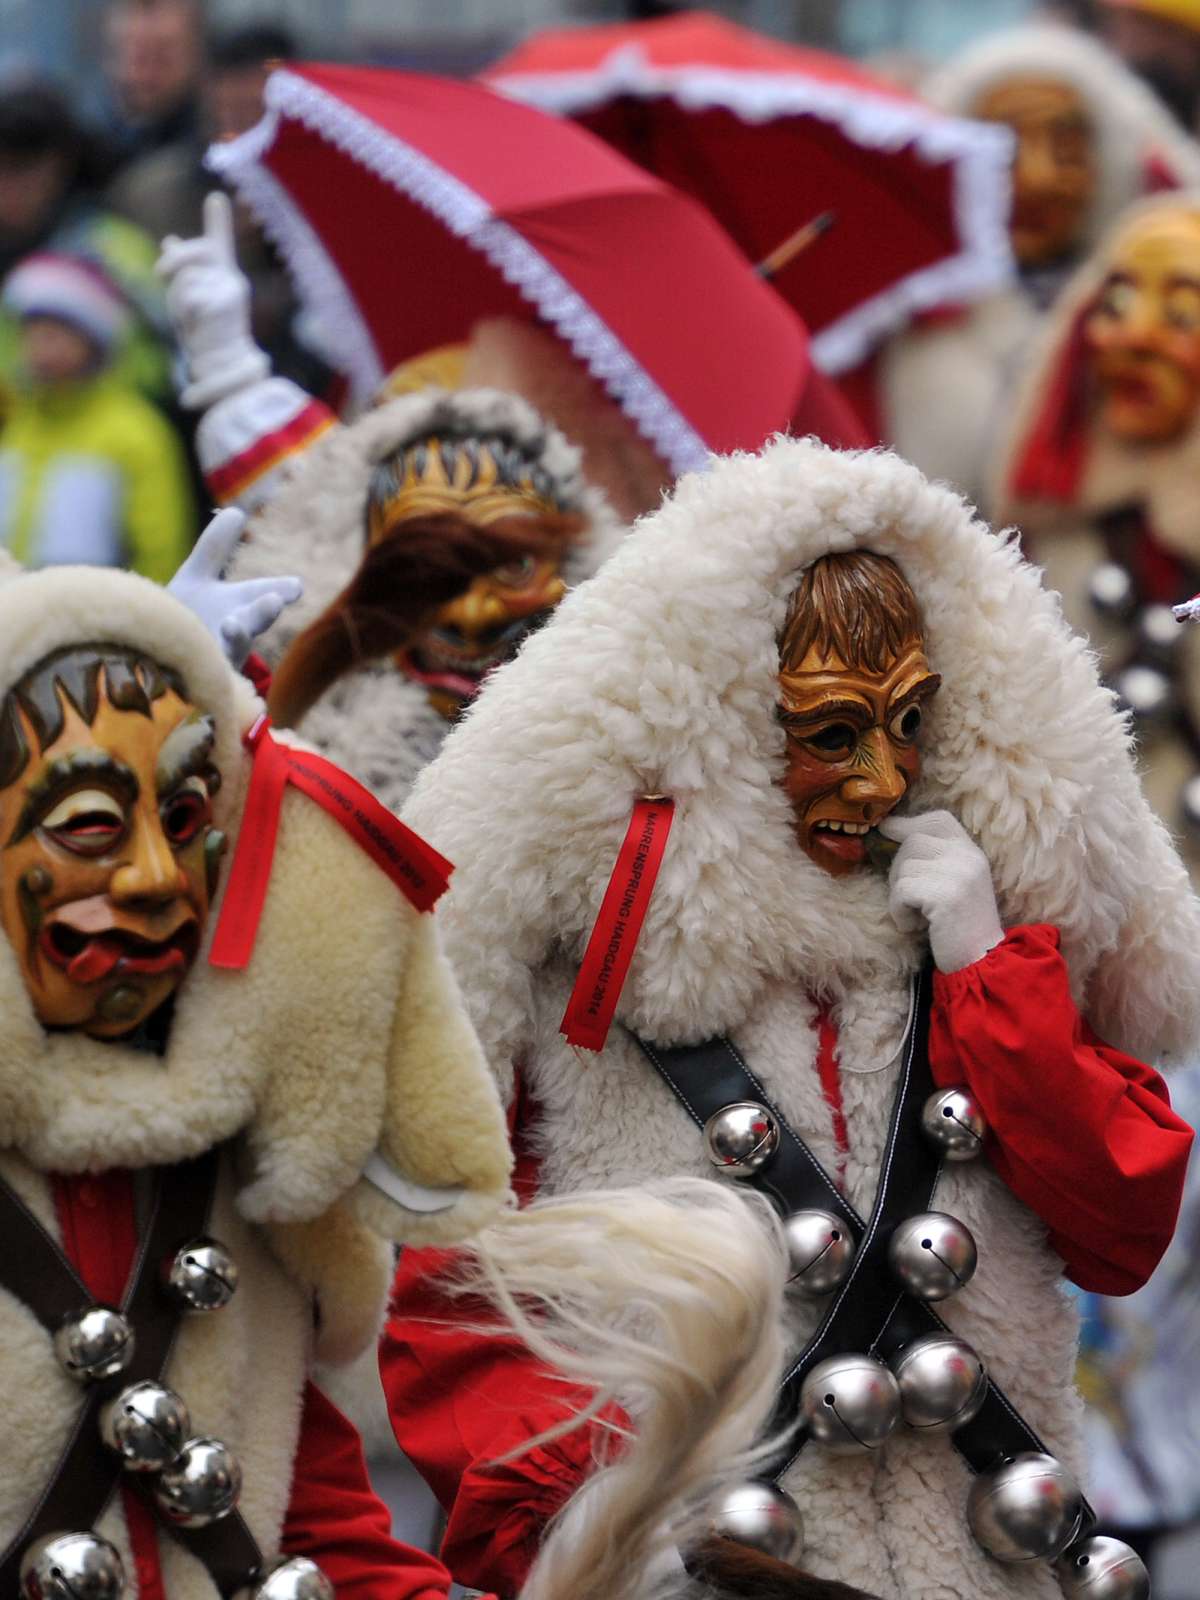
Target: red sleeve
x,y
336,1520
1080,1132
460,1399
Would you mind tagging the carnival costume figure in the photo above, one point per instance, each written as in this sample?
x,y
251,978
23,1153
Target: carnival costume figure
x,y
1098,469
1089,140
432,534
934,1066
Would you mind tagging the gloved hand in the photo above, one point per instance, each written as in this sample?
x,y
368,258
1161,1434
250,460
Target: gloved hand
x,y
234,613
208,298
940,876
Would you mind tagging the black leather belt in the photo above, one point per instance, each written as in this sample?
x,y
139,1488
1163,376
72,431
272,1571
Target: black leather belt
x,y
869,1312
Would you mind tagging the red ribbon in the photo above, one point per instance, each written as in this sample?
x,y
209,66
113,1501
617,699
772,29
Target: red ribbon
x,y
593,1001
416,868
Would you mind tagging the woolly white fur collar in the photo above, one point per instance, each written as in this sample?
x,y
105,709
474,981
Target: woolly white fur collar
x,y
659,675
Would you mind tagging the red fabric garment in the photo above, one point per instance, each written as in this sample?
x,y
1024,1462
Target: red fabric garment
x,y
333,1517
831,1083
460,1399
336,1519
1079,1131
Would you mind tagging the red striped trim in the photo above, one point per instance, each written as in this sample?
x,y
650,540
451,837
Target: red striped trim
x,y
231,480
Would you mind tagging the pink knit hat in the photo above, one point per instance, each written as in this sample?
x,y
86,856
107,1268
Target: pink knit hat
x,y
71,290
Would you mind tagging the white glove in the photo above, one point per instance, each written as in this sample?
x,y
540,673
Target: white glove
x,y
234,613
940,876
208,298
1189,611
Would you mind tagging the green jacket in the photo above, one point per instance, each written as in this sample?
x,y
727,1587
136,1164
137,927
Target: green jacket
x,y
93,473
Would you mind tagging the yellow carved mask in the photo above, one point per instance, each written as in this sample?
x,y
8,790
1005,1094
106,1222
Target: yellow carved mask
x,y
1144,333
487,482
108,856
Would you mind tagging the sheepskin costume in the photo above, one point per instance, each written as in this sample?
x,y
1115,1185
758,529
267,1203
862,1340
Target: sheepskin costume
x,y
1057,474
946,387
660,676
344,1035
376,722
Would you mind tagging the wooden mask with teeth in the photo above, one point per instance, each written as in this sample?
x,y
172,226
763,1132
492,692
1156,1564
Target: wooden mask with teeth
x,y
853,688
108,856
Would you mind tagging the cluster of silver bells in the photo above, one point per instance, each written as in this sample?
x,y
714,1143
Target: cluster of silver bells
x,y
83,1566
197,1479
932,1255
1029,1509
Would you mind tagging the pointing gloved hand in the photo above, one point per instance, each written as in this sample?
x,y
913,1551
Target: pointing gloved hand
x,y
234,613
208,298
941,877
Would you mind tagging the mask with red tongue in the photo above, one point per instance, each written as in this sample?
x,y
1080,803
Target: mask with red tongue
x,y
854,686
108,856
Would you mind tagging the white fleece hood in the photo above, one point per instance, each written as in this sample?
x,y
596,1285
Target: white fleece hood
x,y
659,676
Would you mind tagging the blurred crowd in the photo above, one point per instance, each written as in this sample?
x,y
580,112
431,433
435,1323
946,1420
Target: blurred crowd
x,y
95,455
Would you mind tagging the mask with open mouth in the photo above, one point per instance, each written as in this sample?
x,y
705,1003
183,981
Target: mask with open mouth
x,y
854,686
1143,334
108,856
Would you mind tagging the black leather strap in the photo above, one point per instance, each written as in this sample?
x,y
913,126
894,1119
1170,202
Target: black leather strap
x,y
35,1270
869,1312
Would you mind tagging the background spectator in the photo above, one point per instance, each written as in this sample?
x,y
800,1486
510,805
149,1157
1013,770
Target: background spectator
x,y
51,171
154,62
89,470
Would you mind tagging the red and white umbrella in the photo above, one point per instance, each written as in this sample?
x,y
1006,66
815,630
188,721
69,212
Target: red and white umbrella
x,y
768,136
409,208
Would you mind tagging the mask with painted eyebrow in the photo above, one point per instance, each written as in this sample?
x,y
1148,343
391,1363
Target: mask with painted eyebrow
x,y
110,859
852,750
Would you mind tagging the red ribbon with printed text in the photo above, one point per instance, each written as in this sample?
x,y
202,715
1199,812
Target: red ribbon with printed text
x,y
593,1001
416,868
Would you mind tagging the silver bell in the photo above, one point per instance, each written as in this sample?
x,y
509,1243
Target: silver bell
x,y
1029,1509
72,1566
820,1252
850,1403
933,1255
741,1138
1159,634
200,1276
1189,803
763,1516
146,1425
202,1486
294,1579
953,1123
942,1382
1101,1568
1111,592
94,1343
1146,692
